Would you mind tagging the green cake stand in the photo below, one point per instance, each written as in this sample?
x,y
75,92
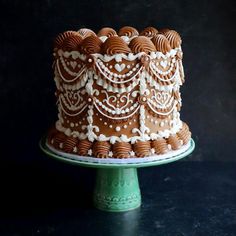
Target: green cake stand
x,y
117,186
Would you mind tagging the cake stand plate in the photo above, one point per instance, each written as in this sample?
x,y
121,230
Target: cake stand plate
x,y
117,187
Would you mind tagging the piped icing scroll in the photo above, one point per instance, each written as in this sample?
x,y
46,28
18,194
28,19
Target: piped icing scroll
x,y
149,32
91,44
141,44
161,43
108,32
118,96
61,38
72,42
128,31
84,32
173,37
114,45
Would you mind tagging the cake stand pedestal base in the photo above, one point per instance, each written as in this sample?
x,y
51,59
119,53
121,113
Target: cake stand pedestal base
x,y
117,189
117,186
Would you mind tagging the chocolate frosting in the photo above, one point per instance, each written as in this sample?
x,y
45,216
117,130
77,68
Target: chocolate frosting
x,y
121,150
173,37
72,42
149,32
184,134
161,43
160,146
91,44
114,45
141,44
107,32
61,37
69,144
142,149
83,146
128,31
84,32
101,149
174,141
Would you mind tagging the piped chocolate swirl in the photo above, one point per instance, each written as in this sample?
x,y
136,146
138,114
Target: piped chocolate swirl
x,y
142,44
114,45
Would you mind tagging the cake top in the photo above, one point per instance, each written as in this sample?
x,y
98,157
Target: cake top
x,y
127,40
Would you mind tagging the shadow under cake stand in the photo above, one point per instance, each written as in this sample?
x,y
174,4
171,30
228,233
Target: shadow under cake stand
x,y
117,186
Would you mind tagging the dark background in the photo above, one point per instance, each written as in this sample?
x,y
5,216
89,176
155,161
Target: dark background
x,y
27,30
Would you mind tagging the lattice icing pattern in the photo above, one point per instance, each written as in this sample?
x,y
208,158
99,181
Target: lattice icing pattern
x,y
118,93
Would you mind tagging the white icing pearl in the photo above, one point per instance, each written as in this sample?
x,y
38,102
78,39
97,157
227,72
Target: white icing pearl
x,y
105,123
100,119
128,66
125,126
110,126
110,66
156,122
90,60
130,123
118,128
72,124
162,124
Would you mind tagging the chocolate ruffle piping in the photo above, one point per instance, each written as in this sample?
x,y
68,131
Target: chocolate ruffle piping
x,y
128,31
121,150
163,41
83,146
102,149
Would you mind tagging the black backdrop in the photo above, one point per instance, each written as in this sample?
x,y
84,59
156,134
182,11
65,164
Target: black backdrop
x,y
26,80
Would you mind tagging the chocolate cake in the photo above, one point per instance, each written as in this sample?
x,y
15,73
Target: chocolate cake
x,y
118,93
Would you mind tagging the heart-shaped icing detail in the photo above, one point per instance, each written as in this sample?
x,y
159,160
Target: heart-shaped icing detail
x,y
163,64
73,64
120,67
163,97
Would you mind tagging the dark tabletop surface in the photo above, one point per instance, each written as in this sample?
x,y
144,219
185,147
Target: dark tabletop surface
x,y
181,198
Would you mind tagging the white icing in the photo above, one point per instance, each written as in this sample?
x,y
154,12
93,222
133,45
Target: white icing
x,y
74,74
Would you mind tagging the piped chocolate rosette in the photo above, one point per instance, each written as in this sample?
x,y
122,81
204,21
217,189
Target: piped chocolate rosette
x,y
118,93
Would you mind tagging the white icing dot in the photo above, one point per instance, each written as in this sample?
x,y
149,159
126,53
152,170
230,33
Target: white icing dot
x,y
118,128
128,66
90,60
130,123
105,123
151,120
72,124
110,126
100,119
156,122
148,117
76,124
125,126
110,66
67,121
134,120
80,122
162,124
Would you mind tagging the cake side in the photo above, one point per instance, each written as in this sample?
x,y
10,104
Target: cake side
x,y
118,94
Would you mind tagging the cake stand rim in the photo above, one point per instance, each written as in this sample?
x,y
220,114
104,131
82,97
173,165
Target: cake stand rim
x,y
50,153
